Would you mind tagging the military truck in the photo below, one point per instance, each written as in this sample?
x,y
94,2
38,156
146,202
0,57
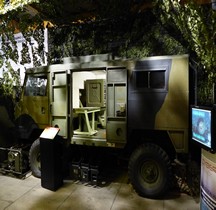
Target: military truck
x,y
138,107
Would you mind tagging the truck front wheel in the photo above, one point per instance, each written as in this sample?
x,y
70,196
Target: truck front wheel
x,y
34,158
150,170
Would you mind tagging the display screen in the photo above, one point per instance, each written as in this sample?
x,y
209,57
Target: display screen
x,y
201,126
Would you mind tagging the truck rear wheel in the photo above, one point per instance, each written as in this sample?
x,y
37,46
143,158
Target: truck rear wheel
x,y
150,170
34,158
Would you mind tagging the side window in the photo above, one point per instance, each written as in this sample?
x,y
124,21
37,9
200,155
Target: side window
x,y
150,79
142,79
36,85
157,79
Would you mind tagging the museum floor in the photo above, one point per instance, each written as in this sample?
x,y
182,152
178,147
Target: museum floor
x,y
116,193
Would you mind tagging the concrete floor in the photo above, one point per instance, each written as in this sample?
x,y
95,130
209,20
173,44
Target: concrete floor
x,y
115,194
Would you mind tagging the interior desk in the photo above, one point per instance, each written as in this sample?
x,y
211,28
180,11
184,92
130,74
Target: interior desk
x,y
85,112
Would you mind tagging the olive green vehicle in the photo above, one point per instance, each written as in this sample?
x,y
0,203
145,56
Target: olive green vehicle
x,y
139,107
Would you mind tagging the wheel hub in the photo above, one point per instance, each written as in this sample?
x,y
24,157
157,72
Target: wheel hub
x,y
149,171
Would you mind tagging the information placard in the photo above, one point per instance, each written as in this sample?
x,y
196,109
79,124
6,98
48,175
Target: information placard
x,y
49,133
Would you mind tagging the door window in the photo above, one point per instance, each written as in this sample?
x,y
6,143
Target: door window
x,y
36,86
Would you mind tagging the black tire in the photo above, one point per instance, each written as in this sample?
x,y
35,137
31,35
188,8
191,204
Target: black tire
x,y
150,170
34,159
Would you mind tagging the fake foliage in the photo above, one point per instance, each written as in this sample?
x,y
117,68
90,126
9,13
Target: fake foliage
x,y
197,26
11,77
30,27
7,6
127,37
10,80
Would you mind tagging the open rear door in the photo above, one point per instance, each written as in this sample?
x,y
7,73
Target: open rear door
x,y
60,101
116,105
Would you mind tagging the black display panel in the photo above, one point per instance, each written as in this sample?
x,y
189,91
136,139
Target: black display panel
x,y
202,126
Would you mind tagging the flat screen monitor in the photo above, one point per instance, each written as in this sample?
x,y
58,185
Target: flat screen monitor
x,y
202,123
